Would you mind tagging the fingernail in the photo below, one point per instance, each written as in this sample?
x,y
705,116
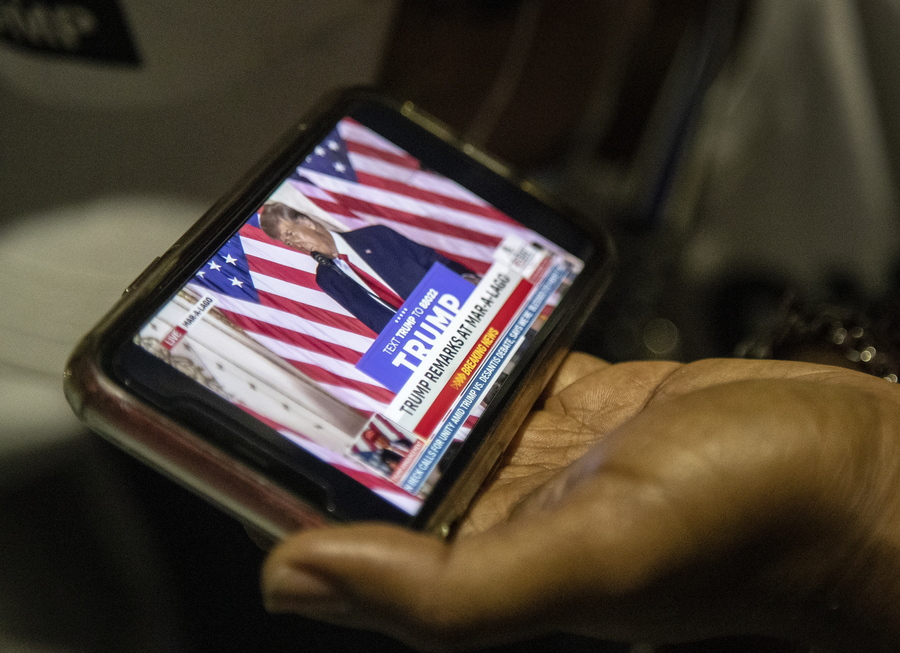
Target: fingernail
x,y
292,590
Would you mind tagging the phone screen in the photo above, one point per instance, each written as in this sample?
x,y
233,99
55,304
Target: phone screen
x,y
367,311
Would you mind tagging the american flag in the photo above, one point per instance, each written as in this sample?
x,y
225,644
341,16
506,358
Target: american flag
x,y
357,178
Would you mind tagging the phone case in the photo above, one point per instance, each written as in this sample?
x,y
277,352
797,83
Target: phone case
x,y
113,411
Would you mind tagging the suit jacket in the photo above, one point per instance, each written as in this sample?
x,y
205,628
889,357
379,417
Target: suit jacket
x,y
399,261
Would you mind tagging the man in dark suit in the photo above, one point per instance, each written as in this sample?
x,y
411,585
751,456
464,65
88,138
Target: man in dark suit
x,y
368,271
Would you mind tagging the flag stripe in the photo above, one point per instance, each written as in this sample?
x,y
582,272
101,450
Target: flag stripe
x,y
415,178
284,320
350,130
281,288
256,243
315,314
291,337
421,208
404,161
284,272
349,206
373,181
311,191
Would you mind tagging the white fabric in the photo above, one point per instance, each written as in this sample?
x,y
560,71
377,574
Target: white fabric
x,y
62,271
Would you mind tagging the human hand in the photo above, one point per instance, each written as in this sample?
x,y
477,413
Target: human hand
x,y
647,502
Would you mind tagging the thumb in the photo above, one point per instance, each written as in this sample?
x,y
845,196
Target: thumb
x,y
492,587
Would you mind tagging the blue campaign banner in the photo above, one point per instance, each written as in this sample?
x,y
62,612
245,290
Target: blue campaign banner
x,y
481,382
418,325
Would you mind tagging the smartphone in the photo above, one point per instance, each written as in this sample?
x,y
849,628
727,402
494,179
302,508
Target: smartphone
x,y
355,332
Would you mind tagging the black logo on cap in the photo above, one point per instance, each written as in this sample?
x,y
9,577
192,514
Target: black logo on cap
x,y
93,30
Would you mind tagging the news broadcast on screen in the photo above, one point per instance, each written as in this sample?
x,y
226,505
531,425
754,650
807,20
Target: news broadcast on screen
x,y
367,312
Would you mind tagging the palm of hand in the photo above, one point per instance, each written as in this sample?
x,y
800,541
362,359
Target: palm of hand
x,y
648,499
711,529
589,399
586,400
